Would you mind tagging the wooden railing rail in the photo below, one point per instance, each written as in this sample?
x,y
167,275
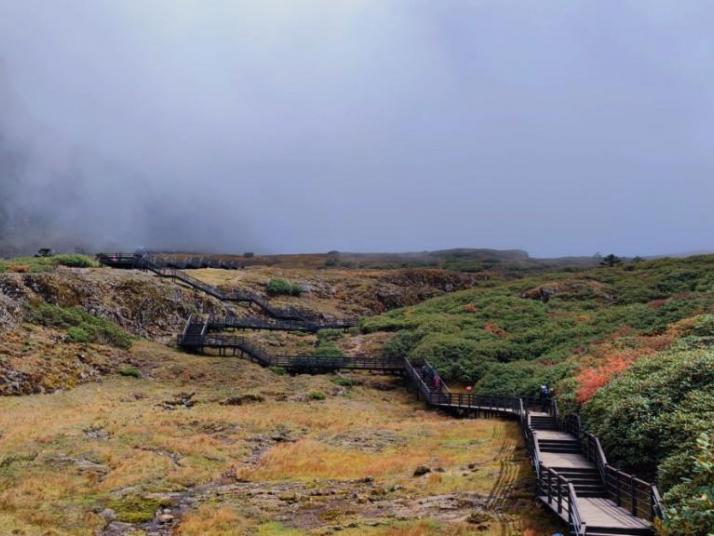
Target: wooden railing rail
x,y
626,490
188,324
576,520
554,487
236,322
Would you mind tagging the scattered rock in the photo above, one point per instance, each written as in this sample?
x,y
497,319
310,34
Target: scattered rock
x,y
282,436
96,432
421,470
180,400
165,518
108,515
117,528
371,441
382,386
478,518
82,464
242,399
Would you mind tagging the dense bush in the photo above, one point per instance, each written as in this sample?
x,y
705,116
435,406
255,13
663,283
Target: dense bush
x,y
131,372
468,334
326,343
659,406
690,504
81,326
277,287
74,261
656,419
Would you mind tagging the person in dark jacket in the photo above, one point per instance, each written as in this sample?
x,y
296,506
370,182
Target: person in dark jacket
x,y
544,397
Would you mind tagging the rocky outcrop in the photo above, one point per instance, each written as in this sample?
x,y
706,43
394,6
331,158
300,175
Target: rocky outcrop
x,y
571,289
140,303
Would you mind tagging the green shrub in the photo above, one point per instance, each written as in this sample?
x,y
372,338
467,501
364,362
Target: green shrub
x,y
654,409
317,395
81,326
327,343
465,332
136,509
47,264
327,350
280,371
132,372
277,287
75,261
77,334
345,382
326,335
690,504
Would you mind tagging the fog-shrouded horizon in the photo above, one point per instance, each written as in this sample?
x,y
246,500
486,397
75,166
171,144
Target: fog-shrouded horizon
x,y
560,128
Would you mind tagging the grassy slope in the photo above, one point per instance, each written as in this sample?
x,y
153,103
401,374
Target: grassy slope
x,y
632,345
45,264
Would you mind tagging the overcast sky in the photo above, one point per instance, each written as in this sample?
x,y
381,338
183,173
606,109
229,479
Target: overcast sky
x,y
560,127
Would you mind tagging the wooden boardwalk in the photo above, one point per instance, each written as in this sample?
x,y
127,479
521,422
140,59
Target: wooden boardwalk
x,y
574,478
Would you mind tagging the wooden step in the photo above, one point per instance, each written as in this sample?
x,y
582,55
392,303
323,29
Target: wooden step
x,y
621,531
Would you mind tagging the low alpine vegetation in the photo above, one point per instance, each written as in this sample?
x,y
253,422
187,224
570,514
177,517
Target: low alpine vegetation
x,y
46,264
630,345
281,287
327,343
81,326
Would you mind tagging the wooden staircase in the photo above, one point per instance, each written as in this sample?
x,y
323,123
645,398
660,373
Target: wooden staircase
x,y
576,482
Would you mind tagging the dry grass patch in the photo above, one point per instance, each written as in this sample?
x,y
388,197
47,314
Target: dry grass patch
x,y
115,444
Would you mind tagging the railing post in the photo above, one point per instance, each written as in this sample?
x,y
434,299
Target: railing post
x,y
633,496
550,489
560,495
618,493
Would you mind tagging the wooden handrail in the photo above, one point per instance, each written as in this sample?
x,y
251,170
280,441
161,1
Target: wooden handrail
x,y
574,515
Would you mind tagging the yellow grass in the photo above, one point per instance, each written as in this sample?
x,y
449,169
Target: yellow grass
x,y
148,449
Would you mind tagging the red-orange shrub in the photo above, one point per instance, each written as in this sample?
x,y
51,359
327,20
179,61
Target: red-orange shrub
x,y
592,379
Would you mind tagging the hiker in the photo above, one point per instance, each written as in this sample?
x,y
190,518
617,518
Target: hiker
x,y
437,382
544,398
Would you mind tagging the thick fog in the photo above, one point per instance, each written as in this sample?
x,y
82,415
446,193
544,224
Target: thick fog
x,y
559,127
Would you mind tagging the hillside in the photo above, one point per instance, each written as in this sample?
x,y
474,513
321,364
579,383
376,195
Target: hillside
x,y
630,346
214,442
138,438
